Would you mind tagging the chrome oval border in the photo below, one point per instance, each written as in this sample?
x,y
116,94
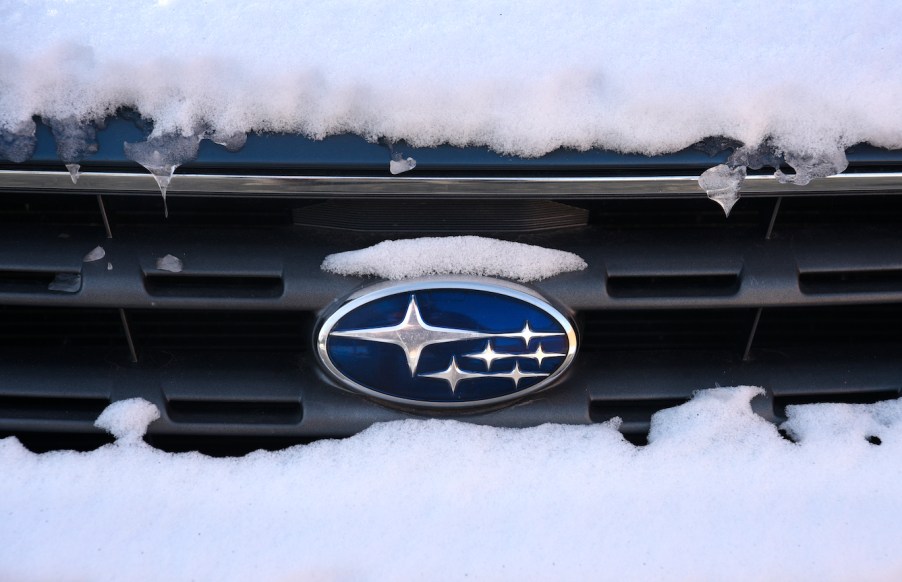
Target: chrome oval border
x,y
378,291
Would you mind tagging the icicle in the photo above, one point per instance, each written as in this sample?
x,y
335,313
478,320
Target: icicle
x,y
17,144
95,255
74,172
170,263
399,165
161,156
722,183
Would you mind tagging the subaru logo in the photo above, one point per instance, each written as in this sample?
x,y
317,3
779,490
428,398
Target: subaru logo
x,y
446,343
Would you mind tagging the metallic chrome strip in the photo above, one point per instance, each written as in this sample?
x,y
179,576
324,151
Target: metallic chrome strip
x,y
403,186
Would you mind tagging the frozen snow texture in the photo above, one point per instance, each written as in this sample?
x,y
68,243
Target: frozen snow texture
x,y
722,185
522,77
170,263
717,494
127,420
454,255
96,254
399,165
162,155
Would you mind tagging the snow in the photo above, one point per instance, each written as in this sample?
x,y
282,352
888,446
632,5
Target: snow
x,y
127,420
524,78
170,263
717,492
454,255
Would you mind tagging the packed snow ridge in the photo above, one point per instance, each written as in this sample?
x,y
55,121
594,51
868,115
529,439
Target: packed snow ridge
x,y
717,494
524,78
454,255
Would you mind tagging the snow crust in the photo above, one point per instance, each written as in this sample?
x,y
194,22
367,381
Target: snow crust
x,y
454,255
524,78
716,494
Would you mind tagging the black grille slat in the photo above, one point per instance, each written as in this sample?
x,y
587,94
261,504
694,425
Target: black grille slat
x,y
810,327
235,412
666,330
220,330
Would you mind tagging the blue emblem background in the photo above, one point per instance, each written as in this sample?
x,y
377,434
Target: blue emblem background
x,y
383,368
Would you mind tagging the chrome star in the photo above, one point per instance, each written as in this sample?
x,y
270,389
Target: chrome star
x,y
453,375
413,335
540,355
489,355
527,334
516,375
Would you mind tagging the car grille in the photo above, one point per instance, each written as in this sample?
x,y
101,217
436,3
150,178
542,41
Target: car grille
x,y
799,294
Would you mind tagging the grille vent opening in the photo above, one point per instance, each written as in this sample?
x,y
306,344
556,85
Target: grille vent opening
x,y
61,210
859,281
702,285
201,330
213,286
799,213
49,408
49,328
445,216
869,397
667,329
235,412
27,281
847,326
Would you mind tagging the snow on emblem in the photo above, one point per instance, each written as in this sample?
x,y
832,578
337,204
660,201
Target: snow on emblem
x,y
446,343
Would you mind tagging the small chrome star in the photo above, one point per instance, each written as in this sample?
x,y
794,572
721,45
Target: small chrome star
x,y
489,355
527,334
454,375
541,355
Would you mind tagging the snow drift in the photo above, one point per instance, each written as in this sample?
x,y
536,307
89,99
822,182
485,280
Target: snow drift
x,y
716,493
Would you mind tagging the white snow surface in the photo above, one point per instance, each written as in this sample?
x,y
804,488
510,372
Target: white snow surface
x,y
716,494
524,77
454,255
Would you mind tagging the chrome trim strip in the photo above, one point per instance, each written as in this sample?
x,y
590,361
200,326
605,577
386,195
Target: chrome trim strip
x,y
377,291
411,186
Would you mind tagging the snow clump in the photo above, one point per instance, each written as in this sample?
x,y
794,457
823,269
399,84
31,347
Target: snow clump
x,y
127,420
454,255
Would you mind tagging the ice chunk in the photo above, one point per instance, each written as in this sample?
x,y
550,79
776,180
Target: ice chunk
x,y
95,255
454,255
764,155
66,283
231,141
810,166
722,183
170,263
109,266
399,165
17,144
127,420
161,156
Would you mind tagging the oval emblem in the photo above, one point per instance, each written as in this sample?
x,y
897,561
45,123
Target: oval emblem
x,y
446,343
